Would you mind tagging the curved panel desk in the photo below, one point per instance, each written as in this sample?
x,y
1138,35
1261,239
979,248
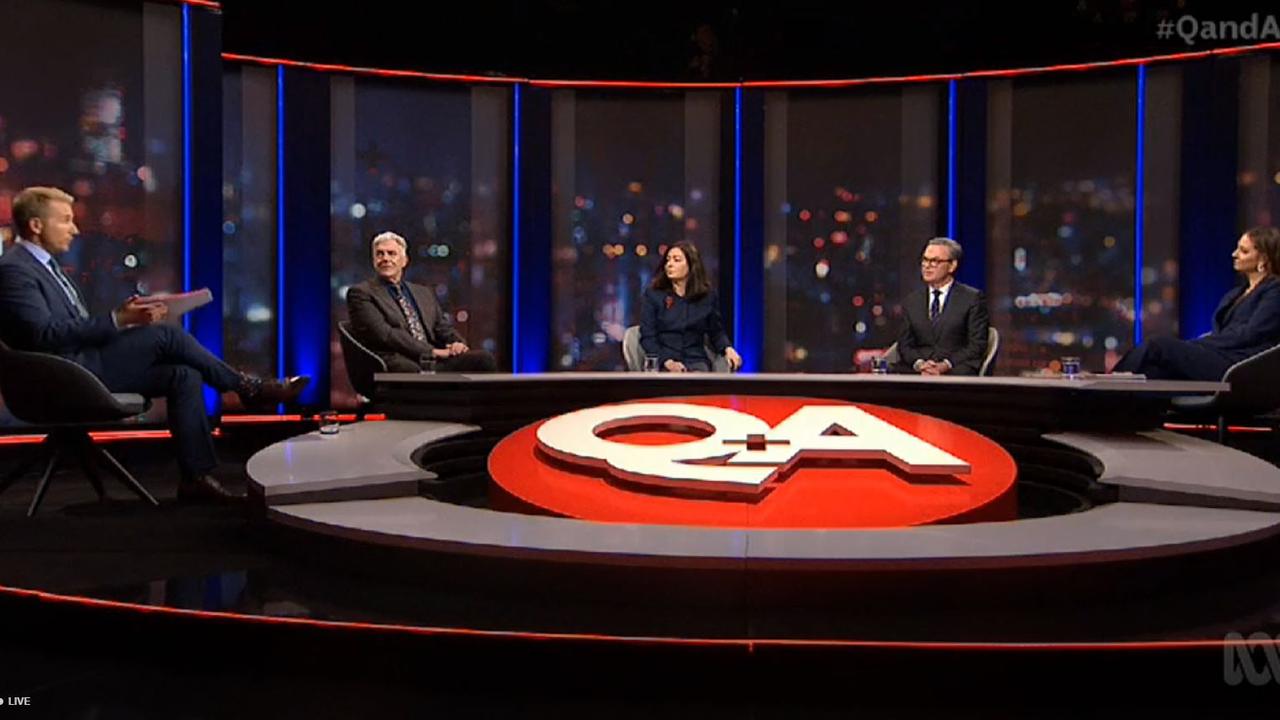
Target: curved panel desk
x,y
1170,494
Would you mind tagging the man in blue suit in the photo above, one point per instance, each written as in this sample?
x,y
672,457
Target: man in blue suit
x,y
42,310
945,329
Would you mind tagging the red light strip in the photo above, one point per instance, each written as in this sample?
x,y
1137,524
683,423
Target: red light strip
x,y
21,439
203,3
326,67
99,436
119,435
116,435
1016,72
257,419
635,84
744,643
898,79
903,79
251,419
1230,428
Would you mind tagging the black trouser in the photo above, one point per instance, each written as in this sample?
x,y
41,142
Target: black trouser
x,y
1168,358
165,361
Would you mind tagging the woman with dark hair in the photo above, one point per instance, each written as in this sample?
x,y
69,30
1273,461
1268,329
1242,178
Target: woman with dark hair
x,y
1246,322
680,315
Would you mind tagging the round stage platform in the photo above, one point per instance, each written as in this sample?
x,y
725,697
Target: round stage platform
x,y
477,477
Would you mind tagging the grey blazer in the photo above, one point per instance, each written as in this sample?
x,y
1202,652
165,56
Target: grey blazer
x,y
378,323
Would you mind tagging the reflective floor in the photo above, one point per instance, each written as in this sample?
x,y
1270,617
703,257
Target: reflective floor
x,y
215,559
81,663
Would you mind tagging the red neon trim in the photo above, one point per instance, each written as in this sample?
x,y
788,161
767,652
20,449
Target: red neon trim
x,y
325,67
635,84
115,435
897,79
21,439
1016,72
251,419
210,4
838,83
1230,428
100,436
748,644
256,419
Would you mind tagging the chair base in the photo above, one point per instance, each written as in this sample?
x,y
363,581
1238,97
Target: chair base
x,y
60,444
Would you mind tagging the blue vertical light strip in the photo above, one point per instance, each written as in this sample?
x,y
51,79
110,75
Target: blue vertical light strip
x,y
1138,201
952,188
737,213
516,364
186,157
280,232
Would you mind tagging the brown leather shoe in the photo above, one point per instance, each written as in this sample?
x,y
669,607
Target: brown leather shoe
x,y
274,392
205,489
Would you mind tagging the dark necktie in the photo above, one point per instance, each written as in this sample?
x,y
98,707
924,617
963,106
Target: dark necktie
x,y
410,315
68,288
935,307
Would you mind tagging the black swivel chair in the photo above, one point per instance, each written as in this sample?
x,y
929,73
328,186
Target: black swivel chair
x,y
1254,392
66,401
362,363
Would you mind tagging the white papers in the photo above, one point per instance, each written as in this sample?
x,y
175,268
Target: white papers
x,y
181,303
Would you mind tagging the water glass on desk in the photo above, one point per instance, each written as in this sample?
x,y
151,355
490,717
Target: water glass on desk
x,y
651,363
1070,367
427,363
880,365
329,424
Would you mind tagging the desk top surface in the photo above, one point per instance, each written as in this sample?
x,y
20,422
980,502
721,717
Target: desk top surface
x,y
1089,383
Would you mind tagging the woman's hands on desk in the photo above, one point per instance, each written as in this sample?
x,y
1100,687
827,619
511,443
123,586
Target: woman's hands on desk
x,y
735,362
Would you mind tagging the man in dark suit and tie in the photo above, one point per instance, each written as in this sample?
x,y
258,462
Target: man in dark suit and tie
x,y
946,322
402,321
42,310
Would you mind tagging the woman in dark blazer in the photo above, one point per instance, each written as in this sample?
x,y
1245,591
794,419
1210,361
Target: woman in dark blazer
x,y
680,315
1246,322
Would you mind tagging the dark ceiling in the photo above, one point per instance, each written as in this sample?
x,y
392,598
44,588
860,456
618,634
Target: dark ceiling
x,y
753,41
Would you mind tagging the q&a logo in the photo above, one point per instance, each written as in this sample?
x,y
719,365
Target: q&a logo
x,y
739,453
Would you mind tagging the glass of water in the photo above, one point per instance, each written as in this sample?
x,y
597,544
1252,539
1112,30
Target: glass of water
x,y
1070,367
880,365
427,363
329,424
651,363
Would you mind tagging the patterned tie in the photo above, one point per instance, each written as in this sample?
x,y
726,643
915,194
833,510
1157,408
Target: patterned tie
x,y
410,315
68,288
935,307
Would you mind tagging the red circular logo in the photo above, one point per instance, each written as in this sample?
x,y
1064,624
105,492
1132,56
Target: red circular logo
x,y
754,462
